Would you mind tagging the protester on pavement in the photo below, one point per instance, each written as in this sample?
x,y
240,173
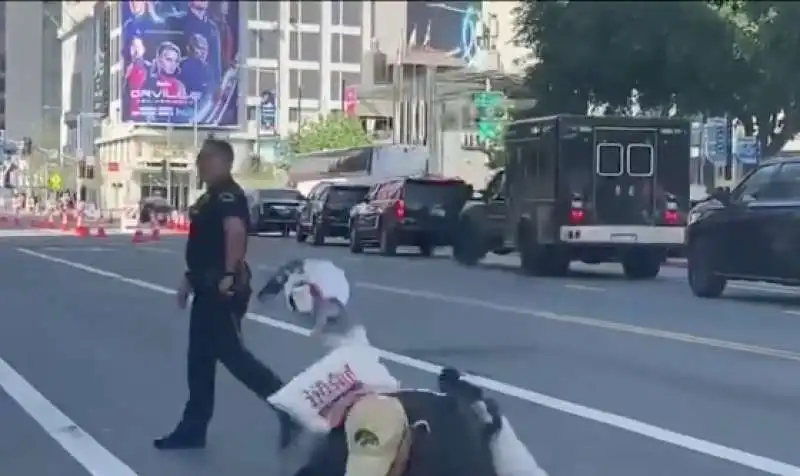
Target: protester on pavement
x,y
219,278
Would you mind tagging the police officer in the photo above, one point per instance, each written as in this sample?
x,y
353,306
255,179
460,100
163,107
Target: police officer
x,y
219,278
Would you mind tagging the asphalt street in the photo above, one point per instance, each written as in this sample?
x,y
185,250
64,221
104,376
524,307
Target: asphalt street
x,y
600,375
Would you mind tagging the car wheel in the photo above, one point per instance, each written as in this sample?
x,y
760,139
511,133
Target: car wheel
x,y
703,279
388,245
355,241
298,233
317,234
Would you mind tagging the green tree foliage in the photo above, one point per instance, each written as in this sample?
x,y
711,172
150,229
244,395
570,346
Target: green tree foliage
x,y
335,131
722,57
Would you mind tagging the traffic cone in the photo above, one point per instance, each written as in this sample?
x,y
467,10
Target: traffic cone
x,y
155,235
101,232
64,221
138,236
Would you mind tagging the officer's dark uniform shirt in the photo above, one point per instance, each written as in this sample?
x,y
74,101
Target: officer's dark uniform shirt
x,y
205,248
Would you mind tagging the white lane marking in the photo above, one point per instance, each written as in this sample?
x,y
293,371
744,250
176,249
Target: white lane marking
x,y
582,321
647,430
80,445
789,311
581,287
590,322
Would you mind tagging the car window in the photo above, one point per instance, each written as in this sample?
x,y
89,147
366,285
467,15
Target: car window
x,y
496,186
433,192
345,195
785,184
279,194
752,185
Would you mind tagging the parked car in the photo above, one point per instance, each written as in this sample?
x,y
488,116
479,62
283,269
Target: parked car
x,y
751,233
274,210
416,211
156,209
326,212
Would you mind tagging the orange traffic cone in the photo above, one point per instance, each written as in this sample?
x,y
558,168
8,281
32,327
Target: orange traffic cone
x,y
101,232
138,236
155,235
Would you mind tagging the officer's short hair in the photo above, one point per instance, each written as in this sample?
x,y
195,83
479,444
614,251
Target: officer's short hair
x,y
219,147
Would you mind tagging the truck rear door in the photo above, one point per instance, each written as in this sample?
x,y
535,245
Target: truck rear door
x,y
625,186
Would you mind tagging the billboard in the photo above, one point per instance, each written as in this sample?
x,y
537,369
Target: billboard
x,y
445,26
181,62
102,68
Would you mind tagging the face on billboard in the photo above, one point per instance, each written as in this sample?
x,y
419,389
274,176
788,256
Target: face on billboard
x,y
202,60
137,48
138,7
198,5
168,60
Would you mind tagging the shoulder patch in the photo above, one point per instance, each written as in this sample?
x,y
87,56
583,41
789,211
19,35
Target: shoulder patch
x,y
227,197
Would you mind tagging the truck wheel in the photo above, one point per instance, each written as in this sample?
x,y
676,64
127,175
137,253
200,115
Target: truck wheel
x,y
388,245
468,248
641,264
355,241
703,280
298,233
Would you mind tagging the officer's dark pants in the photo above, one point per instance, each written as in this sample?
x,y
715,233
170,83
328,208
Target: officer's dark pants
x,y
215,335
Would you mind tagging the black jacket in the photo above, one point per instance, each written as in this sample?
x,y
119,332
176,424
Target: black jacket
x,y
449,442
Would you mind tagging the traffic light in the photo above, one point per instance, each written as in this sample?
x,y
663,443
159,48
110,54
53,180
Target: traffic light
x,y
27,146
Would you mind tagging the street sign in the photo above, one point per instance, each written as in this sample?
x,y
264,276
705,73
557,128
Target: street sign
x,y
716,137
746,150
491,114
54,182
268,112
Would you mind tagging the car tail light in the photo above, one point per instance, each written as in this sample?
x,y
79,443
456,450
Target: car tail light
x,y
671,215
399,209
576,212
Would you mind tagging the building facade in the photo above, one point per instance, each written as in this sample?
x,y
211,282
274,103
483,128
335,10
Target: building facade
x,y
31,83
302,52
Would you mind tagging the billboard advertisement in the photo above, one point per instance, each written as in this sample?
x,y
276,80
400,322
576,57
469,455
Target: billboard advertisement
x,y
180,62
445,26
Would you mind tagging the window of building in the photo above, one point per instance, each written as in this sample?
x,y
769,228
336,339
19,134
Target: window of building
x,y
269,10
351,13
268,43
304,84
351,49
252,113
267,81
304,46
310,12
252,82
336,48
350,79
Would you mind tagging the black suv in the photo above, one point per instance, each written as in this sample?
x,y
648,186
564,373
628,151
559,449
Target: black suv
x,y
420,212
273,209
751,233
326,211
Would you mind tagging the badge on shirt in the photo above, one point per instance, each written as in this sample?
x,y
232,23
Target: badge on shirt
x,y
227,197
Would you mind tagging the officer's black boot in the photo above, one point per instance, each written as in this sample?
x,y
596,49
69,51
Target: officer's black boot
x,y
184,437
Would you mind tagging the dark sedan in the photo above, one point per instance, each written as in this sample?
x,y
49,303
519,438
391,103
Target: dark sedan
x,y
274,210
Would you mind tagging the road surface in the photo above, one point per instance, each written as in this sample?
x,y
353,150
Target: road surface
x,y
601,376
